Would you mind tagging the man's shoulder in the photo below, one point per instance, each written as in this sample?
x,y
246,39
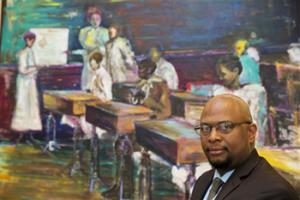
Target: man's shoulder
x,y
264,179
272,176
205,177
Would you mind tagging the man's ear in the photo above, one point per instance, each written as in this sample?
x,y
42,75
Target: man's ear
x,y
252,130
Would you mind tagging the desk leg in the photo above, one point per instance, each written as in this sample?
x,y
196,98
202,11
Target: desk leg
x,y
78,149
124,183
51,125
94,163
190,181
145,176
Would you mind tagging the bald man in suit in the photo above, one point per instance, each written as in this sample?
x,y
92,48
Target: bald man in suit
x,y
227,136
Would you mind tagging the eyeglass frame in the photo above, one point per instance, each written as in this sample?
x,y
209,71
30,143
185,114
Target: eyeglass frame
x,y
217,125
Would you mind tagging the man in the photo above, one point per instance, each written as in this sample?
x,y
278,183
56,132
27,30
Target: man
x,y
164,69
155,91
120,59
91,38
227,135
229,69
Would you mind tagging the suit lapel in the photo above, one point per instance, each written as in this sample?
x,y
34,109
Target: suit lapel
x,y
235,180
202,185
230,185
206,184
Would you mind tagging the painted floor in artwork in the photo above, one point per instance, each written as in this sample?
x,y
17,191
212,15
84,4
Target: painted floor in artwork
x,y
28,173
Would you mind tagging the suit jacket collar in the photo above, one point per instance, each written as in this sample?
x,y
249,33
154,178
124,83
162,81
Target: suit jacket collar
x,y
204,184
243,171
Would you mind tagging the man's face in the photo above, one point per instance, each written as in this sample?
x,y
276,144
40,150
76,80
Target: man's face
x,y
228,77
227,151
113,32
154,55
95,20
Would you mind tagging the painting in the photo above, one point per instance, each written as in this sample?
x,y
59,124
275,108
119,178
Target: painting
x,y
103,99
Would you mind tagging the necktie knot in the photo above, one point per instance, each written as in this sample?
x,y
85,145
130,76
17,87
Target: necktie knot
x,y
216,185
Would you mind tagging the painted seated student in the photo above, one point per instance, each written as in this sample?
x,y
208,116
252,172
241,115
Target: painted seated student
x,y
249,58
154,91
164,69
120,59
229,69
26,116
100,86
91,38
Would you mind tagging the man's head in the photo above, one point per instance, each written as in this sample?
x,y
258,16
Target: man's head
x,y
114,30
146,68
229,68
95,60
95,18
155,54
29,38
227,132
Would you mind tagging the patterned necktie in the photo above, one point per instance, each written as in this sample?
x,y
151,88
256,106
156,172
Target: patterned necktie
x,y
216,185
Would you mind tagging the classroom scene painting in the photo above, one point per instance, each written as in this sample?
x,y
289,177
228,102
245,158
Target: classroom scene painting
x,y
102,99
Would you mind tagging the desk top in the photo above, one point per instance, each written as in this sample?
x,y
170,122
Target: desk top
x,y
115,116
120,109
170,128
283,69
73,95
187,96
70,102
174,140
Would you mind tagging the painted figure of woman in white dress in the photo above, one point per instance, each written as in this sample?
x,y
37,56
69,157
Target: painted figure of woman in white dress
x,y
91,38
26,116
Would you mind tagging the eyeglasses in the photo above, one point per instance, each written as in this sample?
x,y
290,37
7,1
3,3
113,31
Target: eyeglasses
x,y
223,127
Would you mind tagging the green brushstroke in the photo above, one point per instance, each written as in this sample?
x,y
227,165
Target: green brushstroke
x,y
23,15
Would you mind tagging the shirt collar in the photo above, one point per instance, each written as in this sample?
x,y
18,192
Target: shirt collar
x,y
225,176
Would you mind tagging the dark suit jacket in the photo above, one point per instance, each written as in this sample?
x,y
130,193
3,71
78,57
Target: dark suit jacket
x,y
256,179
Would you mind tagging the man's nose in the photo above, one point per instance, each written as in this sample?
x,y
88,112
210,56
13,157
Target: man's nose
x,y
214,134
